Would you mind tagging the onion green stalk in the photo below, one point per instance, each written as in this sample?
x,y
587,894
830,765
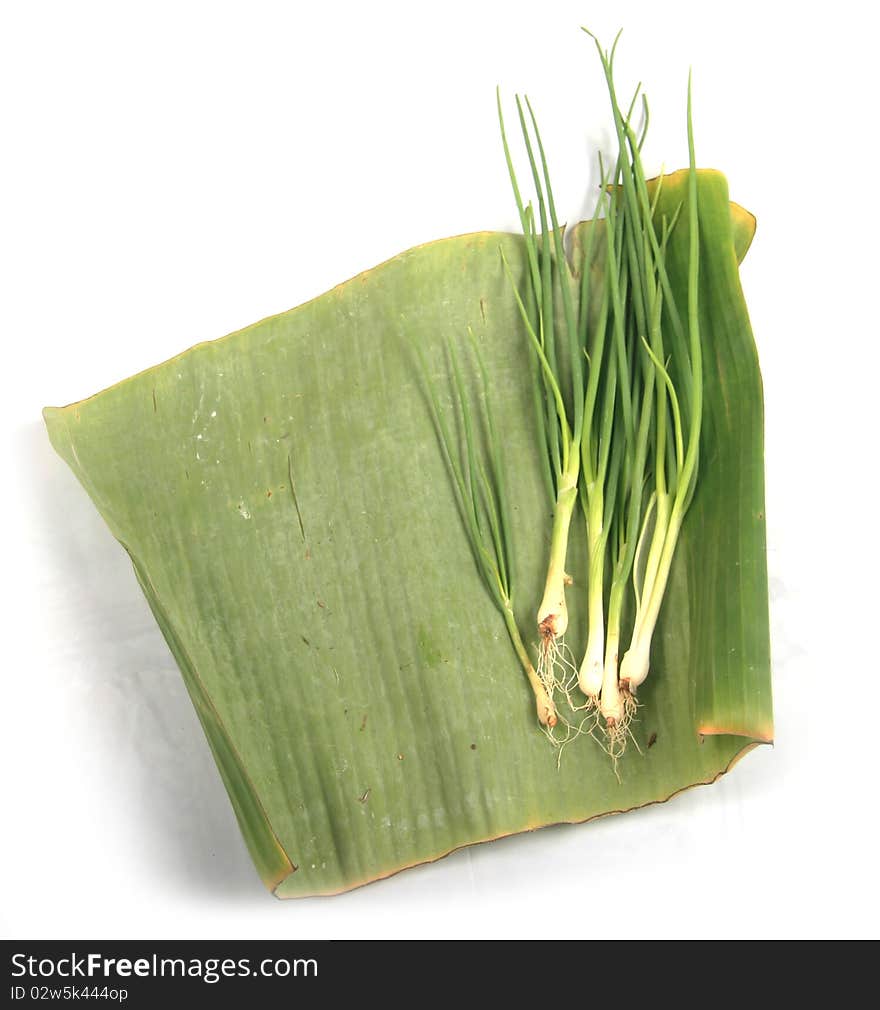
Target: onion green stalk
x,y
603,453
596,495
479,482
673,499
645,462
615,468
604,449
559,374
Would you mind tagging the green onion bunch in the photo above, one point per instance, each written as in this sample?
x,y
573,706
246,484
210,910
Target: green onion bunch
x,y
618,404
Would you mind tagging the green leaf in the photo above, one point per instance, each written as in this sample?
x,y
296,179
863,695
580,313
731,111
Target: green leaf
x,y
730,659
291,518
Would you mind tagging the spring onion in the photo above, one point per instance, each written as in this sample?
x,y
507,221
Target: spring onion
x,y
557,357
622,433
479,483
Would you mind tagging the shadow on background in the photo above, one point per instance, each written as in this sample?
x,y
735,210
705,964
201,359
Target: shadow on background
x,y
148,740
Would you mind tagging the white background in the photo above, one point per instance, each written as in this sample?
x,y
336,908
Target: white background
x,y
171,172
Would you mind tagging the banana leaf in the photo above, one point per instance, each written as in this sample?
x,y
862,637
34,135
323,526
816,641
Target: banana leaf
x,y
289,516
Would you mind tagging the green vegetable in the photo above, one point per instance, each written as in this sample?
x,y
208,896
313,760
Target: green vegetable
x,y
482,498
